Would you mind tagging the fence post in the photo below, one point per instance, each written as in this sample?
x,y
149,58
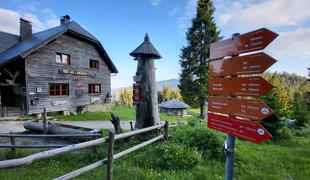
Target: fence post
x,y
110,156
95,147
44,121
131,127
13,149
166,136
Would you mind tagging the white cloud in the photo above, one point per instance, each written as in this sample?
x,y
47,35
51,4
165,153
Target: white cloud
x,y
174,11
29,6
155,2
247,15
293,44
10,20
190,11
36,23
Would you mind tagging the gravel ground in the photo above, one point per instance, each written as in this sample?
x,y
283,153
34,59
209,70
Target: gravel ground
x,y
17,126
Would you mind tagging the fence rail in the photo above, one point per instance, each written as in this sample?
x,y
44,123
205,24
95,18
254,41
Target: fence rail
x,y
48,135
13,137
109,160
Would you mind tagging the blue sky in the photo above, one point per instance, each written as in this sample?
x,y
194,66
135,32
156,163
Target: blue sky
x,y
121,25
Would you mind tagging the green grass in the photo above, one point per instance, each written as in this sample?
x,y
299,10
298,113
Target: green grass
x,y
269,160
124,113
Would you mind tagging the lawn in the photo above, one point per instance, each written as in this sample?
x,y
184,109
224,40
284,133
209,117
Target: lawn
x,y
288,159
124,113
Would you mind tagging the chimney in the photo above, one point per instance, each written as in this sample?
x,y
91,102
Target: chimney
x,y
25,29
64,20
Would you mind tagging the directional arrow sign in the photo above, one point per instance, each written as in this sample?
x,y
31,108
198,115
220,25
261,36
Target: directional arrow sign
x,y
252,109
250,131
241,86
239,65
252,41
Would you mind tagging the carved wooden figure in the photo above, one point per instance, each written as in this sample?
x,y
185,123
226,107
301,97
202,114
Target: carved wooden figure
x,y
147,113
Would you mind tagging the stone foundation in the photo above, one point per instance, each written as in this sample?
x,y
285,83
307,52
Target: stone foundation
x,y
97,108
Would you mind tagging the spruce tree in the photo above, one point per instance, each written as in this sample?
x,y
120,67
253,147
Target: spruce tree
x,y
194,58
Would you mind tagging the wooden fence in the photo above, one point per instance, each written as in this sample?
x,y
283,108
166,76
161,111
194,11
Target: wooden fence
x,y
13,137
106,161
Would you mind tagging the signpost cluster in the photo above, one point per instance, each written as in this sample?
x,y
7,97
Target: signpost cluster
x,y
234,84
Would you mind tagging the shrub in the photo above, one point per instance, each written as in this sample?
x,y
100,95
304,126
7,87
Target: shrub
x,y
169,156
192,122
209,142
285,133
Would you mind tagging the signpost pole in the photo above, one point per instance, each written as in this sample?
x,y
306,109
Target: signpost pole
x,y
230,147
230,157
244,115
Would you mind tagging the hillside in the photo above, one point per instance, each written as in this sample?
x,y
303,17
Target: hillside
x,y
170,82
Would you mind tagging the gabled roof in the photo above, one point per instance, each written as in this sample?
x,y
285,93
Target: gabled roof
x,y
146,48
26,47
7,40
174,104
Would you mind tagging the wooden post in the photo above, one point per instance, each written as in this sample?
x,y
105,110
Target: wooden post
x,y
95,147
166,136
110,156
147,113
13,143
131,126
44,121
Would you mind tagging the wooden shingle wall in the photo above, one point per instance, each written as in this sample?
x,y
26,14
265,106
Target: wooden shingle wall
x,y
42,69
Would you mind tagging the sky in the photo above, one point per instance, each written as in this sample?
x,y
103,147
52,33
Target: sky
x,y
120,25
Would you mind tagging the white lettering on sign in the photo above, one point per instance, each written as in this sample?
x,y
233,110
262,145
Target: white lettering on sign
x,y
256,38
252,107
59,103
256,43
254,84
253,89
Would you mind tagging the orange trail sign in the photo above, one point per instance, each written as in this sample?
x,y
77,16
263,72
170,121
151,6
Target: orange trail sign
x,y
241,86
239,65
252,41
252,109
250,131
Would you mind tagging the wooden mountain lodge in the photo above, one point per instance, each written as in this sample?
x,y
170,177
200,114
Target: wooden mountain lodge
x,y
64,68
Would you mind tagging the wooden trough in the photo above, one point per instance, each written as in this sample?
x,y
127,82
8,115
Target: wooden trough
x,y
58,128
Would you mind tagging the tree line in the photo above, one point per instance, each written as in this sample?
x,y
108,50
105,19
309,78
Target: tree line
x,y
125,96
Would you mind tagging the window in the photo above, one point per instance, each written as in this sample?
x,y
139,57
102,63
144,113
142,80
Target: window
x,y
59,89
94,88
93,64
63,58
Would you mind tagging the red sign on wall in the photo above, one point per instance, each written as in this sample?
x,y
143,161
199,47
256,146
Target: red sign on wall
x,y
250,131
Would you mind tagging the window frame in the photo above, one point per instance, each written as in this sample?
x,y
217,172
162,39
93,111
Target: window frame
x,y
61,58
52,87
92,89
92,63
